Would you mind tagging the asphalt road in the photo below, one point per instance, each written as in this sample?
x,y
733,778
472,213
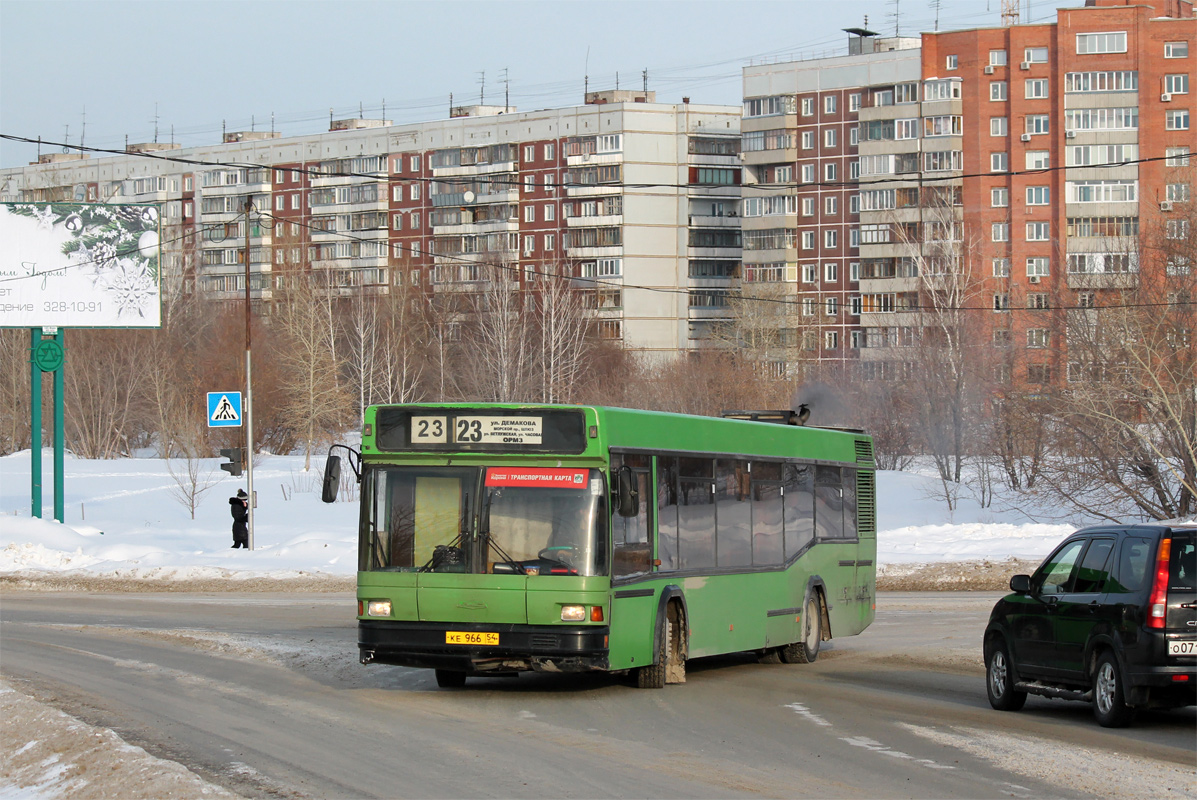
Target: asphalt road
x,y
263,694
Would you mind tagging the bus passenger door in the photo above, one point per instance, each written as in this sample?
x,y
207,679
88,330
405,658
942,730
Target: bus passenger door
x,y
633,603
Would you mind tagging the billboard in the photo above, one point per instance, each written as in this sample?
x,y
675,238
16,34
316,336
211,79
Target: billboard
x,y
76,265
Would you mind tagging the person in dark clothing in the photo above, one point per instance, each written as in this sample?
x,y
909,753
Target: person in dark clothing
x,y
239,506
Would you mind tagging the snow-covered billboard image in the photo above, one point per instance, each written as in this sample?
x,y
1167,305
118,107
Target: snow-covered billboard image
x,y
79,266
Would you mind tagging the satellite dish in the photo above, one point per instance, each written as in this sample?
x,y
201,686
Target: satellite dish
x,y
468,196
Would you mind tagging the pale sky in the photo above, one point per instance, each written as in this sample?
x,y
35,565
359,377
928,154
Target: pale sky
x,y
196,65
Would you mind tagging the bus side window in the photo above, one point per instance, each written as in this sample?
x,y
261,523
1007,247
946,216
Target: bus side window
x,y
851,528
733,511
829,503
767,541
667,512
632,545
696,513
799,507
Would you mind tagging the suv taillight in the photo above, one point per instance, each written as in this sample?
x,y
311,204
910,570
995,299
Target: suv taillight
x,y
1157,609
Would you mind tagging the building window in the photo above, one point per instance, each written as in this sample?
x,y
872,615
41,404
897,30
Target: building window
x,y
1089,43
854,136
1039,373
999,197
279,202
831,340
854,102
854,200
1038,301
1038,159
1177,192
1037,338
830,103
854,271
808,206
997,90
550,151
831,239
808,306
550,242
829,137
529,153
1000,232
1086,300
1038,124
529,213
1176,156
529,245
997,126
997,58
1177,229
831,273
1036,89
1177,120
1176,49
831,205
854,339
808,240
1038,266
808,106
808,140
1038,195
1001,302
1038,231
397,193
854,238
831,306
1001,268
1035,55
414,192
831,171
810,273
808,173
998,162
414,164
951,62
1177,84
415,220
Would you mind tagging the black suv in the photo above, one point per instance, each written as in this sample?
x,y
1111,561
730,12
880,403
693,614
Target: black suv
x,y
1109,617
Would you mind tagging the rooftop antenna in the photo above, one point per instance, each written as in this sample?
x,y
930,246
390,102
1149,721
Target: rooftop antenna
x,y
644,75
1010,12
506,91
897,16
361,112
271,123
450,104
83,132
586,75
172,134
384,109
155,123
482,91
66,140
935,4
617,81
330,116
224,129
253,122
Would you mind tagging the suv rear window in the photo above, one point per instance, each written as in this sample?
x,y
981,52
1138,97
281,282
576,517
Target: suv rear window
x,y
1181,571
1132,566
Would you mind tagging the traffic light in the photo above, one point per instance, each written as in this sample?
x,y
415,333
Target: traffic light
x,y
233,454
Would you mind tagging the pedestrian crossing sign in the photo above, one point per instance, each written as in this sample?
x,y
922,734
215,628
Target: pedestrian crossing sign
x,y
224,409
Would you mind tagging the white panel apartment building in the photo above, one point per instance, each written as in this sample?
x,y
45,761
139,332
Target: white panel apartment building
x,y
629,192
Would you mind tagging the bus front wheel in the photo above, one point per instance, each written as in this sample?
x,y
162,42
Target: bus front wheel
x,y
807,650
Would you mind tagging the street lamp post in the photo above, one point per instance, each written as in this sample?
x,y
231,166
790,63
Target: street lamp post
x,y
249,387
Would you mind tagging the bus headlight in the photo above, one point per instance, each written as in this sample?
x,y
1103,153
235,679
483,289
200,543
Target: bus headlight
x,y
573,613
378,608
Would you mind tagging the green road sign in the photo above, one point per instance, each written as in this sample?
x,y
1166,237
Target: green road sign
x,y
48,355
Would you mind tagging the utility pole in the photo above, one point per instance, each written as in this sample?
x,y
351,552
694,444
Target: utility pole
x,y
249,387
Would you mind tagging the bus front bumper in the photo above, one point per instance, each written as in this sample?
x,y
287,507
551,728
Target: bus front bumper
x,y
543,648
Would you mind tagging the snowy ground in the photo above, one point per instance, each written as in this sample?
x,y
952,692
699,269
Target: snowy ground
x,y
125,530
123,523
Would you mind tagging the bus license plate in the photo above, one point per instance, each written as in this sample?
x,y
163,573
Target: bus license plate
x,y
1182,647
471,637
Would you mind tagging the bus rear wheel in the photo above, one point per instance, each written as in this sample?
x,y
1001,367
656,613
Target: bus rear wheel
x,y
450,679
807,650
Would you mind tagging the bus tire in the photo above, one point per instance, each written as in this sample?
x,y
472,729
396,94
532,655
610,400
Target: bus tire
x,y
450,679
807,649
675,651
652,676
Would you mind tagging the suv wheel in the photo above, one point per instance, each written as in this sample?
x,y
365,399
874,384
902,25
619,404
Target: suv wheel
x,y
999,680
1109,700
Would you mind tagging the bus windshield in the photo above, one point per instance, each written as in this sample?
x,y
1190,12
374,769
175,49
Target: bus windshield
x,y
503,520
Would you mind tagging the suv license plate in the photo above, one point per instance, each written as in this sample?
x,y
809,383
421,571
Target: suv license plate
x,y
1182,648
473,637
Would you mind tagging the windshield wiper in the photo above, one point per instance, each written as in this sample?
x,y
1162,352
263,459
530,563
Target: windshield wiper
x,y
485,532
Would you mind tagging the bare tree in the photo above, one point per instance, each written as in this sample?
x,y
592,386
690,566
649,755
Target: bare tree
x,y
501,341
1126,423
562,322
192,482
14,390
316,400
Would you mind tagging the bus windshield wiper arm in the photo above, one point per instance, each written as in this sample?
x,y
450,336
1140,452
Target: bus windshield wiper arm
x,y
507,559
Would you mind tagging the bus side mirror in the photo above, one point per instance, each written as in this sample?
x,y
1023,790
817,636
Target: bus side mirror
x,y
627,498
332,479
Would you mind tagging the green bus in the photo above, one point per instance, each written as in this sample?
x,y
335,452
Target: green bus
x,y
500,538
